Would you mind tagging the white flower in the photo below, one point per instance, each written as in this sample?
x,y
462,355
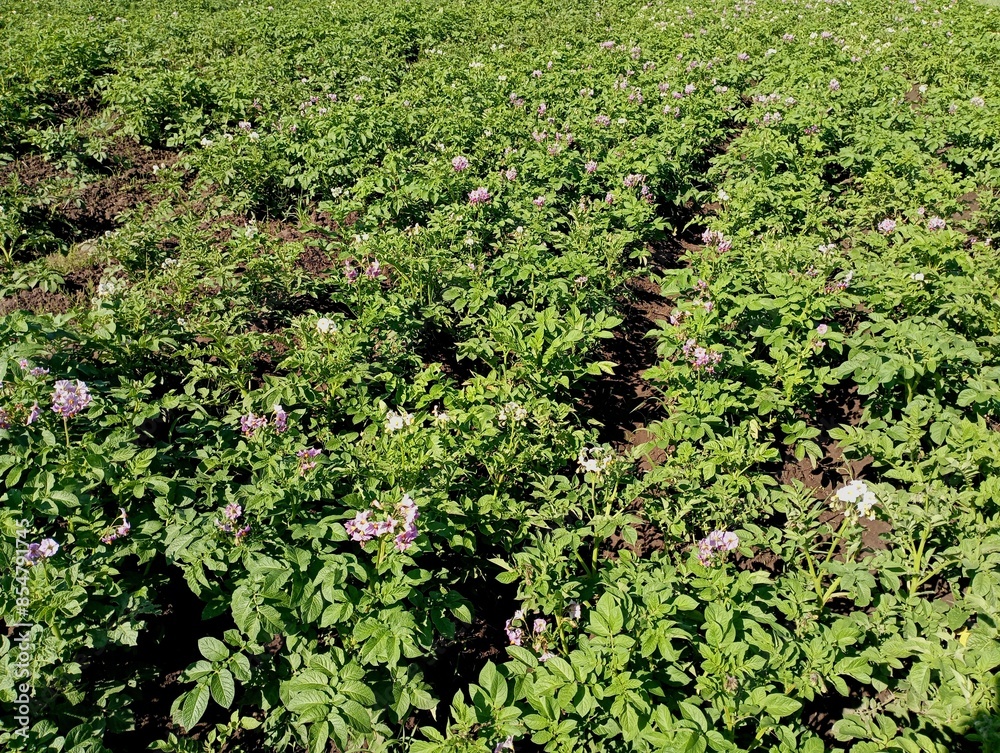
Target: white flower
x,y
594,460
48,547
395,421
324,326
867,504
917,277
858,494
515,413
440,416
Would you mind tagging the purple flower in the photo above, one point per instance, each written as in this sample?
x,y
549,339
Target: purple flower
x,y
350,272
249,424
978,102
743,57
508,742
514,635
361,529
608,45
120,531
542,108
717,542
241,534
404,540
510,174
822,330
602,120
306,462
841,284
936,223
834,85
32,416
38,371
538,626
479,196
538,201
887,226
609,198
633,179
42,550
5,418
459,163
280,419
68,399
590,167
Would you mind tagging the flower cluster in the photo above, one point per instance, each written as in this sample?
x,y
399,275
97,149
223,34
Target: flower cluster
x,y
395,421
400,523
325,326
838,285
229,523
887,226
306,461
714,546
479,196
539,635
936,223
701,358
515,413
717,239
250,423
70,398
703,300
858,494
41,550
37,371
459,163
120,531
595,460
280,419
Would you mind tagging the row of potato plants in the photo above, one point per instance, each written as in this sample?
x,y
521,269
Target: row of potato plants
x,y
350,457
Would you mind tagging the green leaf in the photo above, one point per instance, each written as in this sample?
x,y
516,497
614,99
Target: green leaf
x,y
193,707
213,649
223,688
778,705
